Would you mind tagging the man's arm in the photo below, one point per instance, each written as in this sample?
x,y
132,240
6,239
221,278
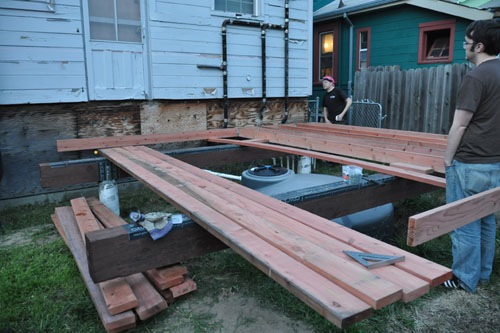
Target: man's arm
x,y
348,102
461,120
325,115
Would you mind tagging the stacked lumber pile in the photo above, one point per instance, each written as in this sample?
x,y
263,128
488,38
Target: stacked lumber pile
x,y
120,301
301,251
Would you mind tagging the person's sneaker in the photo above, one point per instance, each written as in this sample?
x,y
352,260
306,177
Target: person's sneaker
x,y
453,283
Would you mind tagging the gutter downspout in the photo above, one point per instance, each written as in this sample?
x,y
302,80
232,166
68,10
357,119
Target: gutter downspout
x,y
351,44
287,19
263,67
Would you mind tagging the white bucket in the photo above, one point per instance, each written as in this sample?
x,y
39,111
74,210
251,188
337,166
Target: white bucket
x,y
304,165
352,174
108,195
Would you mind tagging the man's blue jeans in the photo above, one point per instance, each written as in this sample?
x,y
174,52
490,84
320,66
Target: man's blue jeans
x,y
473,245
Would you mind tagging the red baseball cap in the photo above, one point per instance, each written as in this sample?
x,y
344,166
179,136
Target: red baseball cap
x,y
329,78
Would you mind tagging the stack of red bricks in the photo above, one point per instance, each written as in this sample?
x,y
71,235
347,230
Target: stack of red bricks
x,y
121,301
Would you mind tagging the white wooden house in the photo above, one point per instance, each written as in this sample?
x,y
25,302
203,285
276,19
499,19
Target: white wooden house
x,y
82,68
56,51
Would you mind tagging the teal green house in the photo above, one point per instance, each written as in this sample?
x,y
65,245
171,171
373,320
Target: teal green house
x,y
350,35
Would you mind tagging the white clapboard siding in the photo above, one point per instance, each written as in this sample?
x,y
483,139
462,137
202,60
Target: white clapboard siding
x,y
43,57
41,53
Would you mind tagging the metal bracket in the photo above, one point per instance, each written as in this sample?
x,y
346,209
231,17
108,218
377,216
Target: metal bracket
x,y
107,171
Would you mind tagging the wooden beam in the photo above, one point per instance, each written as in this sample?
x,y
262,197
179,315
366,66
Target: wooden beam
x,y
441,220
111,253
57,175
117,293
337,305
416,168
112,323
429,271
67,145
417,176
411,143
375,292
374,132
362,150
364,198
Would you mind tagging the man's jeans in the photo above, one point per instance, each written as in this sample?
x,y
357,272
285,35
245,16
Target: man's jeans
x,y
473,245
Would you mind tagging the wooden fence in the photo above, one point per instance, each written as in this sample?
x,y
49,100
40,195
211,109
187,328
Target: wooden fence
x,y
420,100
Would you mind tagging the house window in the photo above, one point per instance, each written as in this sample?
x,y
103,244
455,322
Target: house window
x,y
363,48
436,42
115,20
326,54
237,6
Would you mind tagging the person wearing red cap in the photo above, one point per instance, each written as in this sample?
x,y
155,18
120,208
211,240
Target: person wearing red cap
x,y
335,102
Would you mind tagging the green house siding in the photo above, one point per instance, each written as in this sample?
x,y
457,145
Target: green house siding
x,y
394,40
395,35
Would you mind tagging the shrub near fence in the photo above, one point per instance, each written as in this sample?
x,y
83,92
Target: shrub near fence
x,y
421,100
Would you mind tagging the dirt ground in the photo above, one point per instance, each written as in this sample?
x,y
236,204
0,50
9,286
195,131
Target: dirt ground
x,y
452,311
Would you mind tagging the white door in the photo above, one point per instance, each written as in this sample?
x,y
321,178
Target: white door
x,y
115,49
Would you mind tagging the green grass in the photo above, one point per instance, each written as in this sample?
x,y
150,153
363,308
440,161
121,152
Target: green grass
x,y
41,289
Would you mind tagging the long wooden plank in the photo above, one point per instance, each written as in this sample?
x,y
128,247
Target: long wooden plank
x,y
379,132
441,220
285,232
382,141
117,292
327,298
416,265
112,323
363,151
298,241
417,176
127,140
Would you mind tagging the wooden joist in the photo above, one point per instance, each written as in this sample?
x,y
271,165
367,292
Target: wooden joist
x,y
365,149
408,174
441,220
117,293
67,145
277,238
67,224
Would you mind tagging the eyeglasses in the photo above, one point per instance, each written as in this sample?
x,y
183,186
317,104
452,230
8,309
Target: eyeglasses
x,y
466,43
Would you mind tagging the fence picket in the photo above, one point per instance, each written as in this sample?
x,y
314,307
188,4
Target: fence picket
x,y
415,100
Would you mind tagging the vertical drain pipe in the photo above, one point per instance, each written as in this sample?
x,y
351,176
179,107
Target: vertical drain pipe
x,y
351,57
224,70
264,82
287,19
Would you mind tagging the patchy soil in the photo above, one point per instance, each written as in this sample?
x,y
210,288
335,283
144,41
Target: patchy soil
x,y
450,311
37,234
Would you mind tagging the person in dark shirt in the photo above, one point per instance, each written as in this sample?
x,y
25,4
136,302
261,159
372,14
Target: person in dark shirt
x,y
335,102
472,156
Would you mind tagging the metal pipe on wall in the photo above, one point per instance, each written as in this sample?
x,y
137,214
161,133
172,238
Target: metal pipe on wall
x,y
224,66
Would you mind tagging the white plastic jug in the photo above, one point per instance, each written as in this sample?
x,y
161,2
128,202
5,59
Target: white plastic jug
x,y
108,195
304,165
352,174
